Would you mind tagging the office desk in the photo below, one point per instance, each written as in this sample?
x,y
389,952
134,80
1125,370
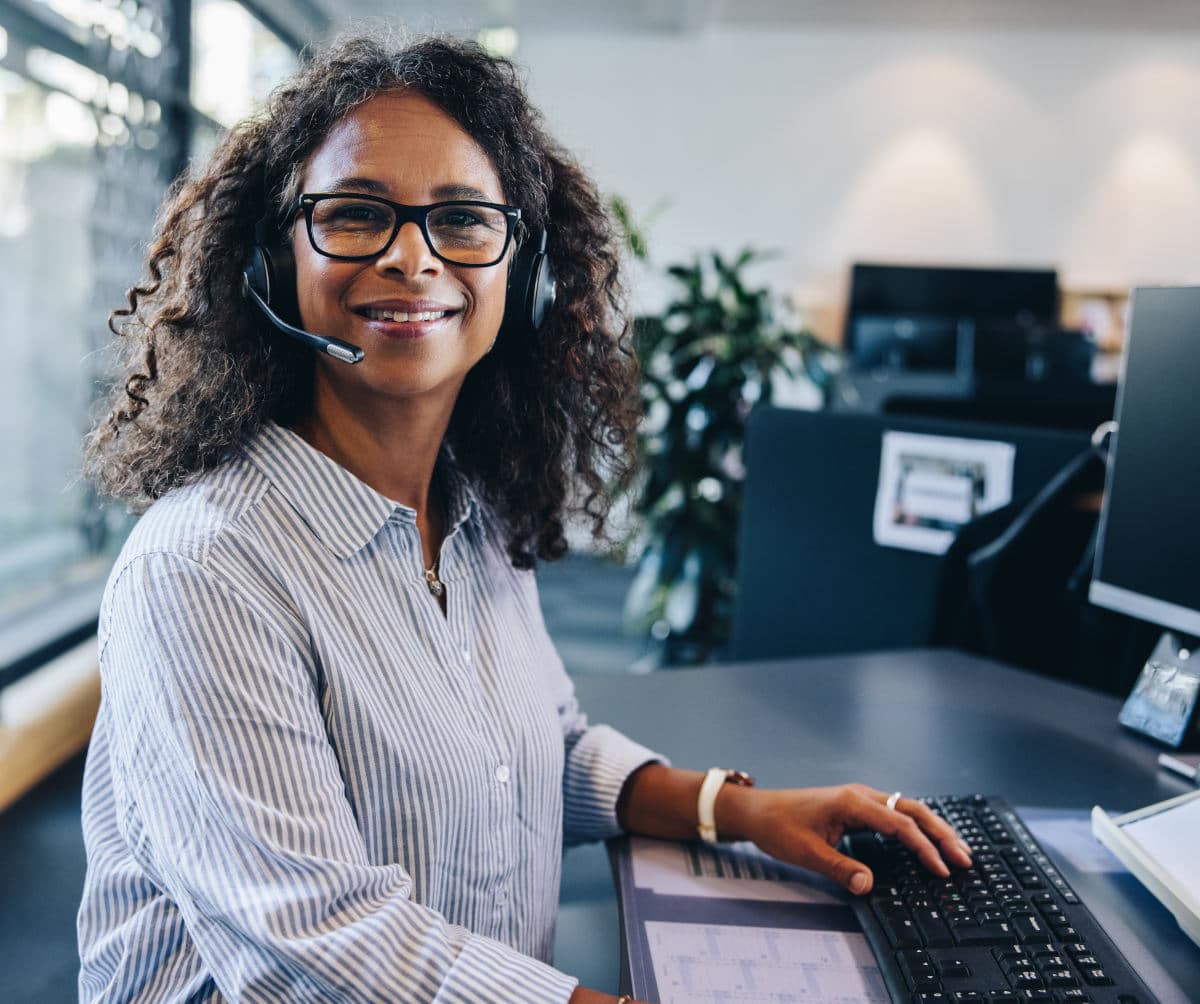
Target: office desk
x,y
921,721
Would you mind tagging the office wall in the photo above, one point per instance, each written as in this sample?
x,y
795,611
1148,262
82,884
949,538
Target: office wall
x,y
1077,149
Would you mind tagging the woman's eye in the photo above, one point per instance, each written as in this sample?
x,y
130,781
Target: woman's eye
x,y
357,214
459,218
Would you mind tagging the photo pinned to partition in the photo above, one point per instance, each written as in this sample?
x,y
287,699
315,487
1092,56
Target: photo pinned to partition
x,y
930,486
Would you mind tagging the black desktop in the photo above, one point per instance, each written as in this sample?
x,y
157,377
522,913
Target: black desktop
x,y
917,317
1148,548
980,344
1024,296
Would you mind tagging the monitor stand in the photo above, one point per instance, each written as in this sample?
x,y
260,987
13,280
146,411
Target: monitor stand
x,y
1163,701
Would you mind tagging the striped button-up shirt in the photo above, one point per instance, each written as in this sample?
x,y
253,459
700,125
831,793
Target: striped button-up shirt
x,y
306,783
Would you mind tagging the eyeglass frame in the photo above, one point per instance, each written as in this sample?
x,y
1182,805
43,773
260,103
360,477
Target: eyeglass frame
x,y
407,214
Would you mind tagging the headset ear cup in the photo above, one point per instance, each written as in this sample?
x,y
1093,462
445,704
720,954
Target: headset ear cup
x,y
531,288
256,274
543,293
271,273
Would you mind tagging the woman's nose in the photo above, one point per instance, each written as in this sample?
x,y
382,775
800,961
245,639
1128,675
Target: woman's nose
x,y
409,254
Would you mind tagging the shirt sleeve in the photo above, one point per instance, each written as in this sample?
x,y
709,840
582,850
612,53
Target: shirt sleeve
x,y
230,798
598,762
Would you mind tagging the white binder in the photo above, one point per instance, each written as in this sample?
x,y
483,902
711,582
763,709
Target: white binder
x,y
1160,844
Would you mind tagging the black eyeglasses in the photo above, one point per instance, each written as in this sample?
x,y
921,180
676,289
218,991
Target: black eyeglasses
x,y
354,227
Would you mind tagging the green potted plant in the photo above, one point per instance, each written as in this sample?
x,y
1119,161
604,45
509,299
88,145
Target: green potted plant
x,y
713,353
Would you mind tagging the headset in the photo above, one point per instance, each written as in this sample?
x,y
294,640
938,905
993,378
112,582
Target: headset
x,y
269,283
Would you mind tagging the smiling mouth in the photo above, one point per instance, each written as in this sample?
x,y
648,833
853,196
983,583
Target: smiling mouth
x,y
401,317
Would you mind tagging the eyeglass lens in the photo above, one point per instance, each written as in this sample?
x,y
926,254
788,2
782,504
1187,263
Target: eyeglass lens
x,y
461,233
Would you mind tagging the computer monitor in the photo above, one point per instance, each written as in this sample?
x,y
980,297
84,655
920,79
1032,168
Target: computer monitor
x,y
1148,547
982,296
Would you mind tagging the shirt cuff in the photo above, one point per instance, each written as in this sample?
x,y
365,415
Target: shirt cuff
x,y
598,767
487,970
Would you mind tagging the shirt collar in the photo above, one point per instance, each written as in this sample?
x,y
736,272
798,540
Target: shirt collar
x,y
344,513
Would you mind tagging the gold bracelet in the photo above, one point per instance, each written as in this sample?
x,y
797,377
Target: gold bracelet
x,y
624,999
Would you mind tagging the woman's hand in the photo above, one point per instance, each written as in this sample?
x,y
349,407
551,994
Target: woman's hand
x,y
803,826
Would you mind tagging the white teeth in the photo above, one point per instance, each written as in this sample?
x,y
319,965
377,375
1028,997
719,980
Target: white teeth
x,y
401,316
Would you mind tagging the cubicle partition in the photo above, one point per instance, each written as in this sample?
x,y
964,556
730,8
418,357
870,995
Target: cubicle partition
x,y
812,579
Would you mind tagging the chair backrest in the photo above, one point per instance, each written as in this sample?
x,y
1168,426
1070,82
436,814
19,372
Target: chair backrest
x,y
811,579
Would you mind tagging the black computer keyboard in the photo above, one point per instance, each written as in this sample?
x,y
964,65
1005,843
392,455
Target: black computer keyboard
x,y
1007,930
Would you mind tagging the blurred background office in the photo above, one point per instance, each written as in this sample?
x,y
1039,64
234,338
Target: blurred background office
x,y
920,211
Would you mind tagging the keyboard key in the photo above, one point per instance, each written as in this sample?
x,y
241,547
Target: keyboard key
x,y
1022,965
925,984
984,934
918,969
968,997
1029,928
935,997
900,931
1056,978
1049,960
1003,997
933,929
1075,996
1096,977
888,905
1025,979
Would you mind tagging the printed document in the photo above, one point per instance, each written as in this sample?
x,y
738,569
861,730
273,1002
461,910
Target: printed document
x,y
731,871
698,963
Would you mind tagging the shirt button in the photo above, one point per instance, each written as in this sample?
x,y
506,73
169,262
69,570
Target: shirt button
x,y
502,773
466,654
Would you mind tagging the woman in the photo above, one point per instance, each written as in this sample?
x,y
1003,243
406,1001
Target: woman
x,y
337,755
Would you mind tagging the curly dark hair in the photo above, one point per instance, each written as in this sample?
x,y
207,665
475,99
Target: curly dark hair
x,y
543,426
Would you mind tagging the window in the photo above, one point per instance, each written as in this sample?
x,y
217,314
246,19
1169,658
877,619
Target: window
x,y
235,60
87,150
56,543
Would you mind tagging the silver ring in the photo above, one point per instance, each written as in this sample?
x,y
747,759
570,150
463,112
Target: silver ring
x,y
893,798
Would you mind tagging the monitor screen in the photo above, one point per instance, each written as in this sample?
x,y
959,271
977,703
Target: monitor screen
x,y
1020,296
1148,550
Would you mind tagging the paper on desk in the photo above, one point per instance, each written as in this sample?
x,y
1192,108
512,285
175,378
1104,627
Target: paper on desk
x,y
697,963
732,871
